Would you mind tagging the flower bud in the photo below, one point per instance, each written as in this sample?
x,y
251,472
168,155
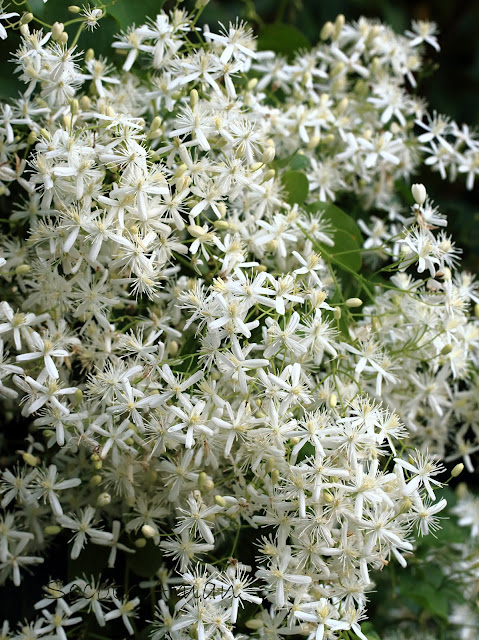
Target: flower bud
x,y
354,302
268,154
52,529
148,531
252,84
254,624
195,230
24,30
26,18
140,543
32,137
419,193
73,8
194,98
337,313
275,476
447,348
103,499
269,175
57,29
63,38
458,469
173,348
30,459
221,224
326,31
220,501
85,102
333,400
270,464
95,480
22,269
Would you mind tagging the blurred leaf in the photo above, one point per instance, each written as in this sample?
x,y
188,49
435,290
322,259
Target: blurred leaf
x,y
282,38
296,186
128,12
299,161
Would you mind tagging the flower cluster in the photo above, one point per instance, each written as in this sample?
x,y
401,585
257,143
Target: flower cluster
x,y
176,327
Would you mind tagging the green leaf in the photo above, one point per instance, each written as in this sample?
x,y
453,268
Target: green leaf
x,y
282,38
346,252
299,161
368,629
337,218
296,186
128,12
431,599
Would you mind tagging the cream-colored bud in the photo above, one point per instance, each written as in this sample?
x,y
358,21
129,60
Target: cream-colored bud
x,y
57,29
52,529
85,103
447,348
26,18
140,543
156,123
337,313
255,166
270,465
194,98
268,155
252,84
97,465
95,480
66,121
103,499
221,208
354,302
476,309
63,38
221,224
73,8
89,55
195,230
32,137
419,193
74,107
22,269
269,175
313,142
110,112
275,476
405,506
294,441
332,400
254,624
342,105
173,348
326,31
30,459
220,501
148,531
458,469
24,30
327,497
